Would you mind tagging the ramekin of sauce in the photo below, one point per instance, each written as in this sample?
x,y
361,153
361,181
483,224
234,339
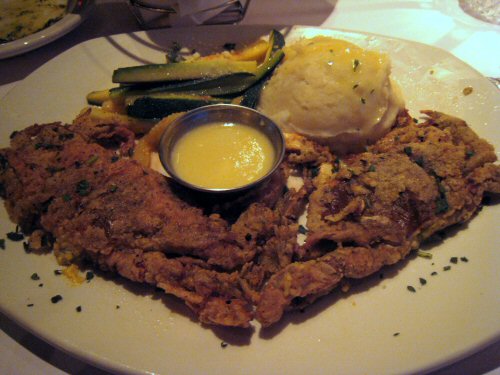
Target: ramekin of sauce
x,y
221,148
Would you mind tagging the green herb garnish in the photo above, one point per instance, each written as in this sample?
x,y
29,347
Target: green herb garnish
x,y
15,236
83,188
92,160
314,171
355,64
442,205
89,276
56,298
336,165
424,254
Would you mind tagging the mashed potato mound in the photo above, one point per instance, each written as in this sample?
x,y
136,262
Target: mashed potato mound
x,y
333,91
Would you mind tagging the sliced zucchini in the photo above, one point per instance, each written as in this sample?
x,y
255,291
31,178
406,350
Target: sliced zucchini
x,y
98,97
211,86
155,91
225,85
182,71
161,105
252,94
276,42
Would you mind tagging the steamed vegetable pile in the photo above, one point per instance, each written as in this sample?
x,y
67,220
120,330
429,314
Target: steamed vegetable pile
x,y
155,91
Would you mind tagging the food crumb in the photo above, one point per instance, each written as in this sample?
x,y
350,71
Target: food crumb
x,y
35,276
223,344
464,259
395,334
446,268
58,272
467,90
56,298
2,243
434,273
117,307
411,288
345,286
454,260
422,281
78,309
30,304
40,285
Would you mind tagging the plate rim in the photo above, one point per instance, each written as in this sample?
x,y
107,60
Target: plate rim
x,y
114,366
55,31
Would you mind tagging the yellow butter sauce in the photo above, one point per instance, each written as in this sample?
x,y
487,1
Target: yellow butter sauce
x,y
222,155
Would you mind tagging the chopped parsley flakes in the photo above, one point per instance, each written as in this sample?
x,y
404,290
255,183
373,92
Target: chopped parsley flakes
x,y
83,188
56,298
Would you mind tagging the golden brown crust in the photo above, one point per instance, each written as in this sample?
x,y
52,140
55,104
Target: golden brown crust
x,y
237,258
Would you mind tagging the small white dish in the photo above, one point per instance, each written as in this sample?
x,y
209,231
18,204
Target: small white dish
x,y
78,11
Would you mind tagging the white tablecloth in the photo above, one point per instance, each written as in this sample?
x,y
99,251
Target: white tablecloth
x,y
435,22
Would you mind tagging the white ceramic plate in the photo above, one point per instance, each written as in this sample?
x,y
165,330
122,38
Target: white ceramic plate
x,y
378,327
75,16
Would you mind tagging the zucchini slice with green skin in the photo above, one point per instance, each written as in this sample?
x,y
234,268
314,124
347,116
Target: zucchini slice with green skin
x,y
182,71
162,105
98,97
252,94
225,85
165,97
